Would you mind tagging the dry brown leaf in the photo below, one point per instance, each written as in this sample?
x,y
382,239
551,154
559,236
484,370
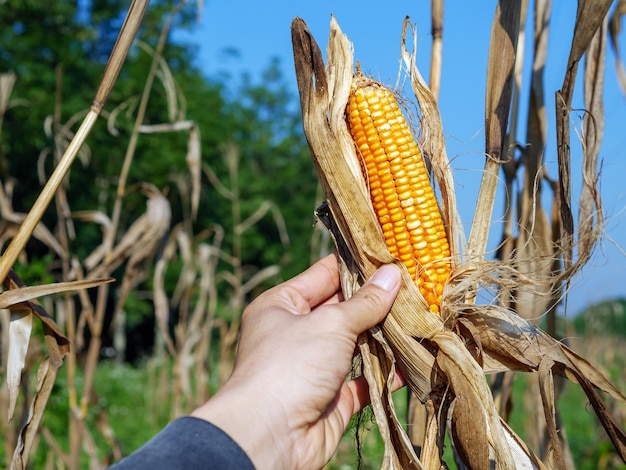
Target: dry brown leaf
x,y
159,296
21,300
534,257
61,135
193,157
466,380
191,333
590,206
46,376
471,442
534,252
175,99
7,81
58,347
508,342
547,392
589,17
194,161
104,221
139,243
378,368
141,237
18,295
259,277
522,455
501,62
500,75
217,184
615,29
13,282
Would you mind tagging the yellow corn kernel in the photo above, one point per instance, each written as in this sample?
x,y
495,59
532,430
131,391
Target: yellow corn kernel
x,y
404,201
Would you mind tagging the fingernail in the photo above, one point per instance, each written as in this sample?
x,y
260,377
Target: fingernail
x,y
387,277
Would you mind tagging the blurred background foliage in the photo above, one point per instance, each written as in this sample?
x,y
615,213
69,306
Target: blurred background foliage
x,y
55,83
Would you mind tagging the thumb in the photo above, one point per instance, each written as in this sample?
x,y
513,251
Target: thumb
x,y
371,303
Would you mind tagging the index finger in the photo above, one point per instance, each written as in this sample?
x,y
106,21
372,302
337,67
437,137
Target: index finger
x,y
319,282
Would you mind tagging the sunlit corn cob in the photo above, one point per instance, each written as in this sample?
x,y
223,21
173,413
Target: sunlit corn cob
x,y
399,186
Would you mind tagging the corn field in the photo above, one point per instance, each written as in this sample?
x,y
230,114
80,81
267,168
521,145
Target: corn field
x,y
459,352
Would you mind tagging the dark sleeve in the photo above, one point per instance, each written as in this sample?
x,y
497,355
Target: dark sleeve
x,y
188,443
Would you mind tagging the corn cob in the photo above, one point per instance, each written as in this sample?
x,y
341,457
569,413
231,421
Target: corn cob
x,y
399,186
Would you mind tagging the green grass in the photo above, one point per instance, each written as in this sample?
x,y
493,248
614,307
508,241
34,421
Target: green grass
x,y
121,397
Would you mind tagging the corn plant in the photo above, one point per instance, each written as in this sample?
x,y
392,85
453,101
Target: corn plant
x,y
446,357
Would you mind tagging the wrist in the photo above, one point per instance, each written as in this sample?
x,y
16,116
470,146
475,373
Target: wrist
x,y
257,427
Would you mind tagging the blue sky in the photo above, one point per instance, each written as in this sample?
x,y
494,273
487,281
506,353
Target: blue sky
x,y
260,31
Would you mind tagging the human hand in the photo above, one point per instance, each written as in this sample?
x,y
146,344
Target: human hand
x,y
287,403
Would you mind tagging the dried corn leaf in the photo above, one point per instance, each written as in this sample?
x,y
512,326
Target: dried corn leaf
x,y
18,295
511,135
14,283
140,242
58,347
500,75
615,29
589,17
378,369
194,159
264,208
19,338
590,207
466,379
522,455
7,81
176,104
469,441
101,250
548,400
160,299
46,376
21,300
508,342
534,258
141,238
534,253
